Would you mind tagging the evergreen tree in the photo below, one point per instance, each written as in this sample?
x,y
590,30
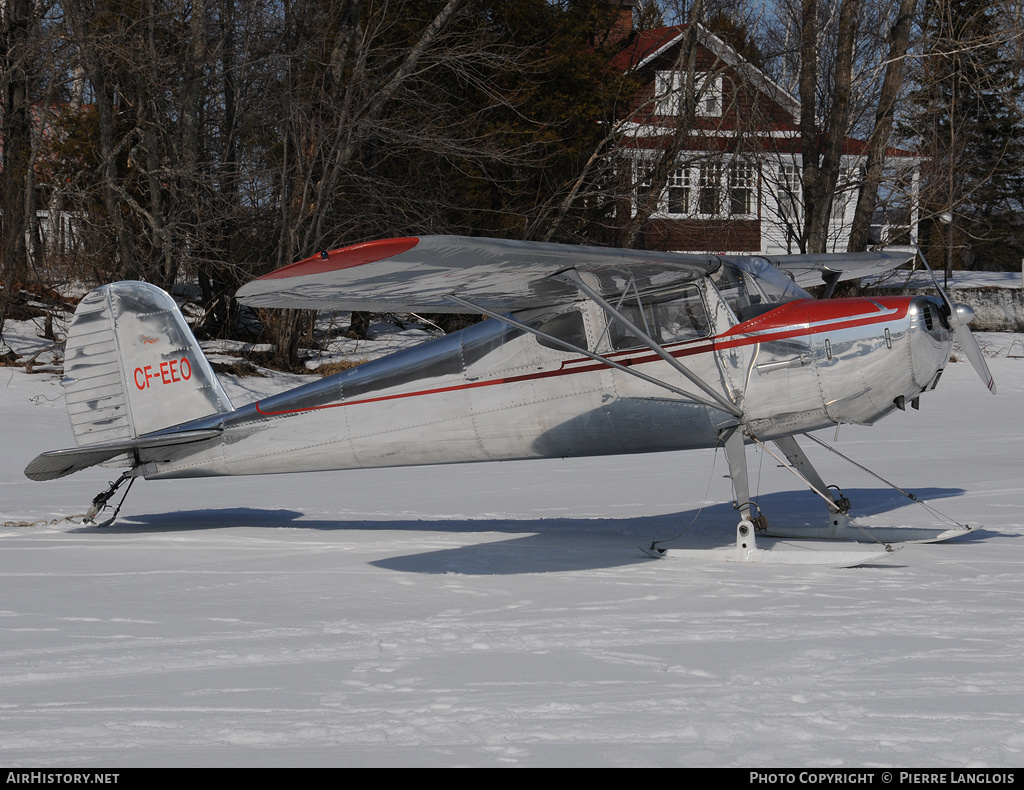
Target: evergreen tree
x,y
965,114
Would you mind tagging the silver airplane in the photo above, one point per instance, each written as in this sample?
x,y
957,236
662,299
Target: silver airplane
x,y
590,351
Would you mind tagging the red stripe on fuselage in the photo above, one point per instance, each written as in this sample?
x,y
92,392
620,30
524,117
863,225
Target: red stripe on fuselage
x,y
778,324
436,390
808,312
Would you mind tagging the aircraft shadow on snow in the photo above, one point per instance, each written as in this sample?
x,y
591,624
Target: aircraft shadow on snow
x,y
559,544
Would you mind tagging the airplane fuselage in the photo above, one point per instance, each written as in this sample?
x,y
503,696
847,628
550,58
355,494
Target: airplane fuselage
x,y
494,392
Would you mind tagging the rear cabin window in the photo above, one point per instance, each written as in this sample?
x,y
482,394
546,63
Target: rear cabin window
x,y
568,327
671,319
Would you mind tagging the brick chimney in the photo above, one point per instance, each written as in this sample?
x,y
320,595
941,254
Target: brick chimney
x,y
622,29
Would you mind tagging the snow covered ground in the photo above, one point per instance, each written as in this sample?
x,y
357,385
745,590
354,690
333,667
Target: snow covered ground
x,y
502,614
958,279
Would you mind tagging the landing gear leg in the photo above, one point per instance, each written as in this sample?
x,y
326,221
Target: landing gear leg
x,y
745,548
99,503
809,474
736,455
840,525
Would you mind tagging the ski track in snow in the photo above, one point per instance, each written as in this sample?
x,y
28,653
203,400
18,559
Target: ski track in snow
x,y
502,614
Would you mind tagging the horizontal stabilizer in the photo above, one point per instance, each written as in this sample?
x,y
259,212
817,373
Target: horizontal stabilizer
x,y
59,463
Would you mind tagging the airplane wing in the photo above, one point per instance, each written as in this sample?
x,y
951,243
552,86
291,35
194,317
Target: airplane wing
x,y
417,274
829,268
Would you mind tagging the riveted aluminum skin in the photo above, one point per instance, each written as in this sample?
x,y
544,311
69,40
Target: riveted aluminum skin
x,y
491,392
930,341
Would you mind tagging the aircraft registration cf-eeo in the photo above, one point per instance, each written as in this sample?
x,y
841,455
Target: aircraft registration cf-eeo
x,y
590,351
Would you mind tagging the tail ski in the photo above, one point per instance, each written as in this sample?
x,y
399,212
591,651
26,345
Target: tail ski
x,y
132,367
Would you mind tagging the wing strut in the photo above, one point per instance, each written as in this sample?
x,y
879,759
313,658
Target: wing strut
x,y
505,319
572,276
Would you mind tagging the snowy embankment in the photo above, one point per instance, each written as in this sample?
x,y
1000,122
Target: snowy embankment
x,y
997,298
501,614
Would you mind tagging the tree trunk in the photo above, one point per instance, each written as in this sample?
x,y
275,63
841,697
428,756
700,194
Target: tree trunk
x,y
822,158
686,65
867,200
16,201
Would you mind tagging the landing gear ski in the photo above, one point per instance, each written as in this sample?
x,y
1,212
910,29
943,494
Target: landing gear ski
x,y
746,550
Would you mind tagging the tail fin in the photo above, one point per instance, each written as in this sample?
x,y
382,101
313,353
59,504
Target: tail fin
x,y
132,366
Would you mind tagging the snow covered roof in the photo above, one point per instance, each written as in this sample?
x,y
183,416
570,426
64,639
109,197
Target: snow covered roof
x,y
647,45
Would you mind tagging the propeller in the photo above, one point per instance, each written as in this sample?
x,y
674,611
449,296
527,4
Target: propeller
x,y
959,316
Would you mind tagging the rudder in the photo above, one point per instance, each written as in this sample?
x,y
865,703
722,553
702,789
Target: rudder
x,y
132,366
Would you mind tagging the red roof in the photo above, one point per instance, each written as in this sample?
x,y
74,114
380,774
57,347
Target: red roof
x,y
644,44
647,43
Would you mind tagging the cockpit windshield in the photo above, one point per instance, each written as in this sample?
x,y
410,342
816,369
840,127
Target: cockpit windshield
x,y
752,286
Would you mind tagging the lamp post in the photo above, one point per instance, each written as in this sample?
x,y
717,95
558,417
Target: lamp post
x,y
946,218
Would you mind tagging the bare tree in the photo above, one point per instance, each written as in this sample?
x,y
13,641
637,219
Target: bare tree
x,y
822,137
19,22
881,132
687,95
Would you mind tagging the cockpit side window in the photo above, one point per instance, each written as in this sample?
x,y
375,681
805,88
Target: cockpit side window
x,y
682,318
668,319
623,337
740,291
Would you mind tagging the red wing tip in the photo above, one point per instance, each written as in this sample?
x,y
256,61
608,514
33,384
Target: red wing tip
x,y
345,257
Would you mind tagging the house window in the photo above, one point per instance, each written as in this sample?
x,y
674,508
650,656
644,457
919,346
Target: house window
x,y
844,195
709,200
701,190
790,193
741,189
666,92
679,191
710,104
644,179
668,88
